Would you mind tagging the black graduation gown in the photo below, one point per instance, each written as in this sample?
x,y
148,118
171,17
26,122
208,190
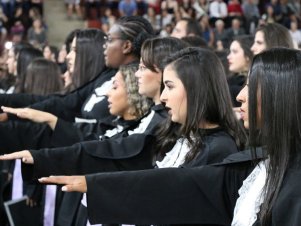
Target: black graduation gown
x,y
19,135
200,195
217,145
124,151
69,211
67,106
68,133
204,195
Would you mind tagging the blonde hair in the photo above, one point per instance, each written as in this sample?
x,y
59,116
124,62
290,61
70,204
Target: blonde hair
x,y
139,104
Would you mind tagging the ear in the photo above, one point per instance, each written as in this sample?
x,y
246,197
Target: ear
x,y
127,47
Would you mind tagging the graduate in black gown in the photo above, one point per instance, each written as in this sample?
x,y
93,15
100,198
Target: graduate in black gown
x,y
253,187
117,52
87,100
213,134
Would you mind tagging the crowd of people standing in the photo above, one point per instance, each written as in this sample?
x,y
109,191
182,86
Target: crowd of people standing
x,y
146,122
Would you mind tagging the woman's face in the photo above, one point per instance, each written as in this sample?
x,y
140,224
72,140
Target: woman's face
x,y
259,43
174,96
114,49
70,58
243,98
47,53
237,60
149,82
11,62
117,97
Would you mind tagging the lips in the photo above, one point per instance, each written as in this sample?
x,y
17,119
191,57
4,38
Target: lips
x,y
242,114
168,109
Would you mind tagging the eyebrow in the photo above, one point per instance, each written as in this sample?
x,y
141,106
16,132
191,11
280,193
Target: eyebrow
x,y
167,81
114,82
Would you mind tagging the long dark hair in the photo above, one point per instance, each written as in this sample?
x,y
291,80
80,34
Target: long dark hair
x,y
89,61
43,77
275,86
25,57
208,100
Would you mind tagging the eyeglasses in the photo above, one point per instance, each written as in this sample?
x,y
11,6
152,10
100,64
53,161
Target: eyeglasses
x,y
111,39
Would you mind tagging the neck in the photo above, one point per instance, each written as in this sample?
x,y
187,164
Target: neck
x,y
208,125
156,99
127,116
129,59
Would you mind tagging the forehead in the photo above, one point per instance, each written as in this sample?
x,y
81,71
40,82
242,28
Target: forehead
x,y
169,73
259,35
114,30
236,45
118,77
181,25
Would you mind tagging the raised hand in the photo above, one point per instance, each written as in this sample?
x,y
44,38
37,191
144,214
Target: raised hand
x,y
33,115
25,156
71,183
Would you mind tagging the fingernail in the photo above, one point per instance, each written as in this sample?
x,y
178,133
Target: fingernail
x,y
64,188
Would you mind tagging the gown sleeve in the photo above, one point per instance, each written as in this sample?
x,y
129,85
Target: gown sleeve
x,y
201,195
130,150
68,133
69,106
20,100
130,153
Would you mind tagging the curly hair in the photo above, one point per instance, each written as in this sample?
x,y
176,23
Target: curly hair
x,y
139,104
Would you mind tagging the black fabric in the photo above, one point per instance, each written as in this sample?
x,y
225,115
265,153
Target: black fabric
x,y
200,195
17,136
123,151
67,106
217,146
72,105
68,210
68,133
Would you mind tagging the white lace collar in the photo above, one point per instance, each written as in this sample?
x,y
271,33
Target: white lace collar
x,y
176,156
250,197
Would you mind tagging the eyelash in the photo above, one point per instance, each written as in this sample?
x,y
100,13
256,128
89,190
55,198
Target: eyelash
x,y
169,87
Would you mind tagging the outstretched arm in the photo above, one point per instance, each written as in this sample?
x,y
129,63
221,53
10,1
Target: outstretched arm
x,y
33,115
158,196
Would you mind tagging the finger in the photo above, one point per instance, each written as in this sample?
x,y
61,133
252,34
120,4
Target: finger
x,y
27,160
74,188
12,156
10,110
55,179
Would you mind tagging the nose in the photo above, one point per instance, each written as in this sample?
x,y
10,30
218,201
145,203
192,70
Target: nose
x,y
137,74
241,97
108,93
163,96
